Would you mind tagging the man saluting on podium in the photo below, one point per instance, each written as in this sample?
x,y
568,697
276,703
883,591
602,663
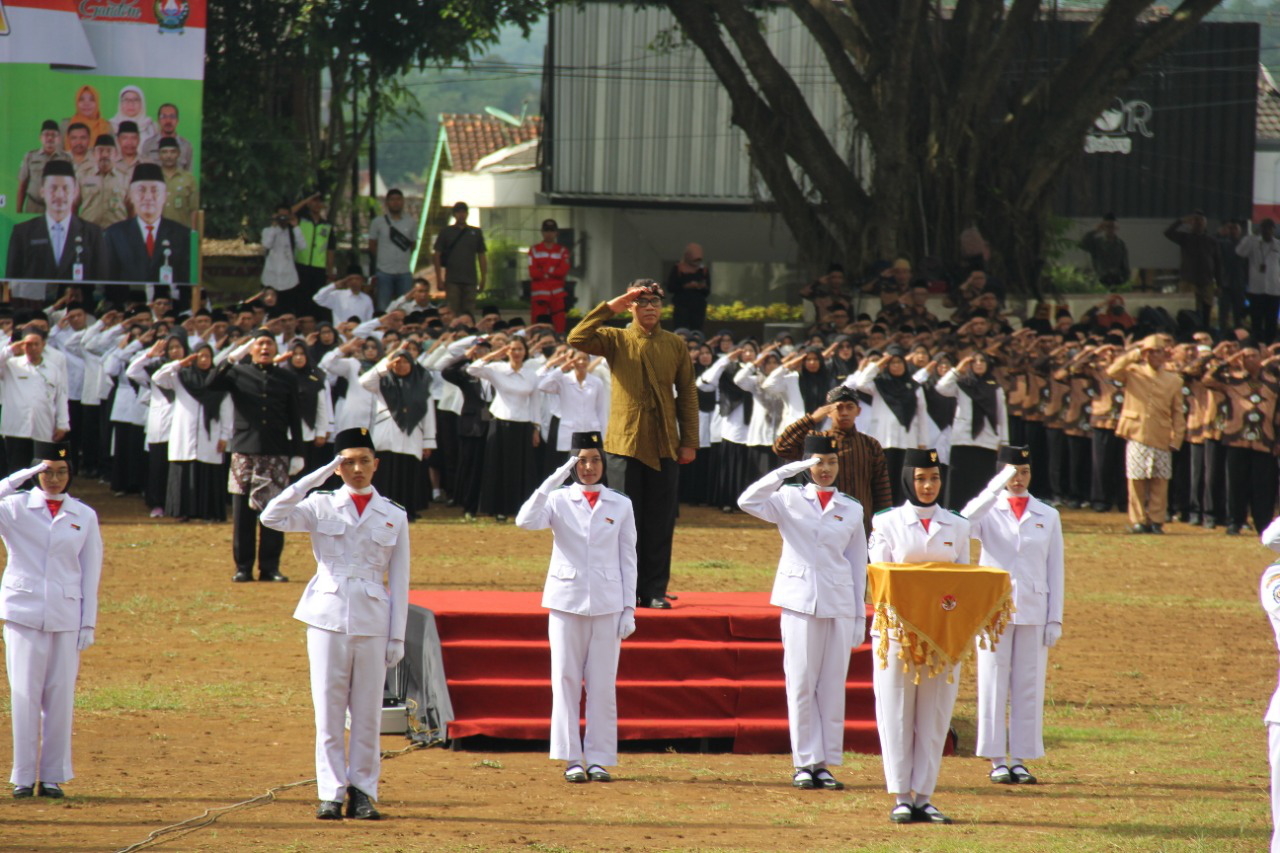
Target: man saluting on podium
x,y
355,624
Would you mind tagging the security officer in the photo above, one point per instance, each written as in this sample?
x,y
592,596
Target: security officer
x,y
913,719
182,192
1022,535
31,172
591,593
821,586
355,624
103,187
548,267
49,601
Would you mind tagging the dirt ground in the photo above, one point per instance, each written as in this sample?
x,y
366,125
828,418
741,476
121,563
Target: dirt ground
x,y
196,696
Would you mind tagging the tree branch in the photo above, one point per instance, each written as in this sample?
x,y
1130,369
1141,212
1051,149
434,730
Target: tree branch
x,y
856,90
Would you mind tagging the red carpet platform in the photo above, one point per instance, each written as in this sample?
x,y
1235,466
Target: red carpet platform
x,y
710,667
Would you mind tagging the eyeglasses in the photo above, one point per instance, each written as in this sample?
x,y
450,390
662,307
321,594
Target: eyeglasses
x,y
645,301
53,474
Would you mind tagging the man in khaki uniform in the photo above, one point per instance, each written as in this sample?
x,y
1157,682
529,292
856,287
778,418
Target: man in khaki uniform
x,y
78,144
103,187
183,198
1153,425
167,119
31,172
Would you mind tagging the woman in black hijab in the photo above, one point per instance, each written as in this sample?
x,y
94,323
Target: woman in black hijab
x,y
897,411
981,427
695,478
404,427
815,379
198,443
314,406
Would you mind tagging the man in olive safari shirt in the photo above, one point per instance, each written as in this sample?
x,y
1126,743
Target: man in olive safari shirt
x,y
651,430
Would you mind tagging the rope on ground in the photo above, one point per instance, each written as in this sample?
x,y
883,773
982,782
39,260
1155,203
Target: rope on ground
x,y
182,828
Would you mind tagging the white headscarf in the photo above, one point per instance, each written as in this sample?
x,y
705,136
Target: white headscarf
x,y
146,127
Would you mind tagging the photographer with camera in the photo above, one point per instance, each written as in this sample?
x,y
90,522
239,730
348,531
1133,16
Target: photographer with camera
x,y
392,237
282,239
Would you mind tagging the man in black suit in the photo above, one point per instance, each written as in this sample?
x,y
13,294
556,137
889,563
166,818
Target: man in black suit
x,y
142,247
58,246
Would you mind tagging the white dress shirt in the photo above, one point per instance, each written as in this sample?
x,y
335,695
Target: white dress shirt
x,y
387,435
344,304
584,407
1029,549
34,397
189,440
962,426
513,390
884,426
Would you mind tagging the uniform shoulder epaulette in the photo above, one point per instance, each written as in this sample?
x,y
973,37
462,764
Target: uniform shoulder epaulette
x,y
792,486
883,511
852,498
956,514
396,505
323,492
618,493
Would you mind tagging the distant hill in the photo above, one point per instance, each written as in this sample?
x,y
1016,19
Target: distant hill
x,y
509,78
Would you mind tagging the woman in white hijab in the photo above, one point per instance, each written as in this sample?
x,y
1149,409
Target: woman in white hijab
x,y
133,107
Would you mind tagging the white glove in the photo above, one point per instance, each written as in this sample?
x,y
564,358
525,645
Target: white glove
x,y
395,652
85,640
295,465
1052,633
557,477
1001,479
793,468
627,624
19,477
317,477
240,351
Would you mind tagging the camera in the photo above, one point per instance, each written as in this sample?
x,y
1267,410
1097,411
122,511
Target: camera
x,y
283,220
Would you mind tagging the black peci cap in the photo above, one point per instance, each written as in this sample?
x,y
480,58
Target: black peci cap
x,y
916,458
843,394
355,437
127,126
1014,455
586,441
58,167
50,451
104,140
147,172
49,124
817,442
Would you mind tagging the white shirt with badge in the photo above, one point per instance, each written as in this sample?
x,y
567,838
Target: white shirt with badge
x,y
50,582
34,396
1030,549
899,536
353,553
593,552
823,567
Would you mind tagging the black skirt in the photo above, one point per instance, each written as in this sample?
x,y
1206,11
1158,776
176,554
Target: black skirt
x,y
397,478
729,474
196,490
971,469
509,476
129,458
695,478
157,474
466,492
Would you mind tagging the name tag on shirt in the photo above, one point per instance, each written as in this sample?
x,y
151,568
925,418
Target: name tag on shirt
x,y
75,527
1038,524
946,543
608,519
839,518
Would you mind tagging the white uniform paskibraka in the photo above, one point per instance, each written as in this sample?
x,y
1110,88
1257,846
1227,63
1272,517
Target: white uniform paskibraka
x,y
821,587
1269,593
1027,543
591,593
49,601
913,719
356,625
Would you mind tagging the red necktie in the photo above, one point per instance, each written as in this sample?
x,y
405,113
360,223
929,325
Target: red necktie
x,y
824,498
591,497
361,501
54,506
1019,506
925,522
151,240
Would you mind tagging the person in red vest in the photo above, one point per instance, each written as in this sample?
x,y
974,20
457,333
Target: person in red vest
x,y
548,266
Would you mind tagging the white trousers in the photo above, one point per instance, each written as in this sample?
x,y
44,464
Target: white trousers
x,y
42,667
1273,754
913,720
1011,678
347,674
815,659
584,648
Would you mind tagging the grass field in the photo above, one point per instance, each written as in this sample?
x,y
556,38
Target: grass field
x,y
196,696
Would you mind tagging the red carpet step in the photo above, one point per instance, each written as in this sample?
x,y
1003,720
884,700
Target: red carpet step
x,y
710,667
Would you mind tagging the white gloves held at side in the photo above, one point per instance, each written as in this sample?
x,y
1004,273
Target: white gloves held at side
x,y
85,640
295,465
627,624
1052,633
395,652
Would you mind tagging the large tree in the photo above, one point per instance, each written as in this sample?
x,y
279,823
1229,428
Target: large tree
x,y
952,135
293,87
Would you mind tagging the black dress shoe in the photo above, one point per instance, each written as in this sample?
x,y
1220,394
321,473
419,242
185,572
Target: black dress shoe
x,y
50,790
1157,528
1233,530
1210,523
21,792
1021,776
329,810
596,773
657,604
273,577
1194,519
928,813
1140,528
359,806
243,577
902,814
1101,507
